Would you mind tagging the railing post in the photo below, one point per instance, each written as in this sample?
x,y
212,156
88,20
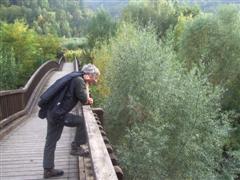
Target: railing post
x,y
1,115
23,100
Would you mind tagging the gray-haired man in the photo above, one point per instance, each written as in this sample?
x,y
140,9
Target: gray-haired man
x,y
58,116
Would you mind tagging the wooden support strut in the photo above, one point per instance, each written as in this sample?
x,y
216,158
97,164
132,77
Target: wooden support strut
x,y
99,112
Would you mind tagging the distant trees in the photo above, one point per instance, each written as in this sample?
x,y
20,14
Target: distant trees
x,y
22,49
75,43
48,46
72,54
48,19
100,28
162,14
11,13
23,42
8,68
61,18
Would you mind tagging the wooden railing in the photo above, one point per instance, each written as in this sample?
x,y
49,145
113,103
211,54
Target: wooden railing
x,y
104,162
15,103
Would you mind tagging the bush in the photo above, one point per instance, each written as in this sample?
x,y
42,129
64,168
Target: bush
x,y
27,48
213,39
71,54
23,41
162,14
167,124
74,43
100,28
48,46
8,66
102,57
179,29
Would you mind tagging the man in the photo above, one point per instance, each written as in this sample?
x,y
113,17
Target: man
x,y
58,116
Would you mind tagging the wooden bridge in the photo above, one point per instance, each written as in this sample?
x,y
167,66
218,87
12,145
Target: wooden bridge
x,y
22,134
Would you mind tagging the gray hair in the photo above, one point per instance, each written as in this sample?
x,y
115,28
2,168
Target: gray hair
x,y
90,69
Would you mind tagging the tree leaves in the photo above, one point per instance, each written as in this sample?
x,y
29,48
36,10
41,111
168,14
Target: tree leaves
x,y
166,122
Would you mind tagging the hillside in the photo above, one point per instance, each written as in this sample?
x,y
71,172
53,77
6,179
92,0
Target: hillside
x,y
114,7
210,5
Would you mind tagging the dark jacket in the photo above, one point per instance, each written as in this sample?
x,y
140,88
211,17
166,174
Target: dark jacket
x,y
65,91
64,103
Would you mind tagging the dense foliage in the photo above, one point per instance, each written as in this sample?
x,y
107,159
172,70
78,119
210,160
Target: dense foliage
x,y
101,58
30,29
70,55
8,68
167,123
58,17
213,39
74,43
166,98
162,15
100,28
22,49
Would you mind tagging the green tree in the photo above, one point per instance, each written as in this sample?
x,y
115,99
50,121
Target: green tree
x,y
11,13
59,17
100,28
43,4
8,68
65,29
24,44
213,39
167,123
102,57
48,46
161,14
5,2
58,4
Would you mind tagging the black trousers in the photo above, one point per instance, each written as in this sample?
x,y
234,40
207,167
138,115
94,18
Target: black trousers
x,y
54,132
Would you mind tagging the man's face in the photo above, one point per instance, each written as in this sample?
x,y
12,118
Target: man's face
x,y
91,79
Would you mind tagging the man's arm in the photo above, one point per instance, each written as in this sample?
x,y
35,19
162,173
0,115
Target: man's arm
x,y
81,90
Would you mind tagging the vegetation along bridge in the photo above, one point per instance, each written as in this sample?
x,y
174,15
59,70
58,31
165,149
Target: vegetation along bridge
x,y
22,134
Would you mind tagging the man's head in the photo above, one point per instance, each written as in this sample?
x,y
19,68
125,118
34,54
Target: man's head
x,y
91,73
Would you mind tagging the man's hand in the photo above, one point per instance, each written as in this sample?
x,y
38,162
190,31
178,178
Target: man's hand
x,y
89,101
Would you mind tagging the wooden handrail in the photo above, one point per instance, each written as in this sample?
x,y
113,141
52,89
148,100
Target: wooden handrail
x,y
102,165
13,103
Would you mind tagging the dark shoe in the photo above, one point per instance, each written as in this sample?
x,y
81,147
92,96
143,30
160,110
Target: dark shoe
x,y
48,173
79,151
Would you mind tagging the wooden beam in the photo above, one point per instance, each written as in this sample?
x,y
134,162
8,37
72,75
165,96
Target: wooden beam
x,y
101,162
